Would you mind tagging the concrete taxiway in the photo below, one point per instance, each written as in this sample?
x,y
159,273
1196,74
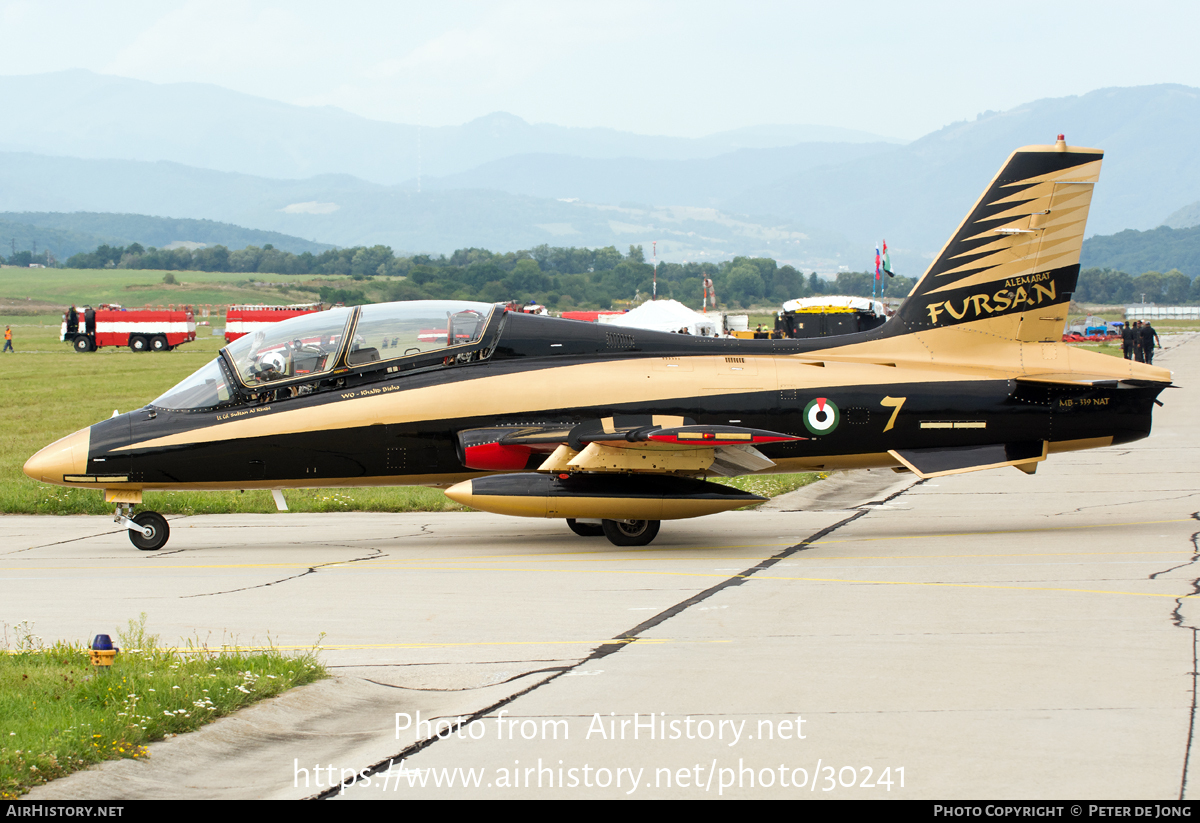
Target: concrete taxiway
x,y
990,635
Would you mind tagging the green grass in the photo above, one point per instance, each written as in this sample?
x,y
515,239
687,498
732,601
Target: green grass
x,y
59,714
51,391
135,287
771,485
1161,326
1113,349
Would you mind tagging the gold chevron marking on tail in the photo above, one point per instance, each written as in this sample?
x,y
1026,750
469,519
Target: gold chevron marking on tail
x,y
1045,232
1054,244
1015,253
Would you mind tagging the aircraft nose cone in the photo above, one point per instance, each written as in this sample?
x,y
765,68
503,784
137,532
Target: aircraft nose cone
x,y
461,493
62,457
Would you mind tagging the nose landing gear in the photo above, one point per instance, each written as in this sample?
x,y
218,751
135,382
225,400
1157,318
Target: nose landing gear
x,y
148,531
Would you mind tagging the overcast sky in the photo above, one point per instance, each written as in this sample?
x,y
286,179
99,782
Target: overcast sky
x,y
899,69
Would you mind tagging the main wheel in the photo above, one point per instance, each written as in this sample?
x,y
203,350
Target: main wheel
x,y
82,344
630,532
137,343
159,531
158,343
585,529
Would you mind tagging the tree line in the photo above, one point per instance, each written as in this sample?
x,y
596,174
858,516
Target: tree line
x,y
565,278
561,278
1112,287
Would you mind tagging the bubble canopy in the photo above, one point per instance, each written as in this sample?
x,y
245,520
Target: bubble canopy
x,y
206,388
303,345
311,346
386,331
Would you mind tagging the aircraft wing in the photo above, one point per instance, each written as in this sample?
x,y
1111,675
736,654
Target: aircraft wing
x,y
659,445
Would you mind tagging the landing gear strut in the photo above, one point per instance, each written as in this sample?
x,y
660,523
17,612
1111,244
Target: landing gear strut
x,y
585,529
147,530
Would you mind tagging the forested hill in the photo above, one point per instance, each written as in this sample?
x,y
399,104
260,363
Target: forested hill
x,y
1160,249
68,233
35,241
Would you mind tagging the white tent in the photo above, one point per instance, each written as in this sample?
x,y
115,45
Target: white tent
x,y
666,315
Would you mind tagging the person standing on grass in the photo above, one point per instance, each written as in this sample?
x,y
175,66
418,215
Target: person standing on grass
x,y
1127,340
8,340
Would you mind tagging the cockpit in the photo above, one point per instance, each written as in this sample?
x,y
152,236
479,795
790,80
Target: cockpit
x,y
318,351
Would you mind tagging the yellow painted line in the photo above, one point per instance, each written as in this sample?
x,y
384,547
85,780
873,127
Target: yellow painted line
x,y
756,558
420,565
765,576
938,535
972,586
325,647
556,557
574,556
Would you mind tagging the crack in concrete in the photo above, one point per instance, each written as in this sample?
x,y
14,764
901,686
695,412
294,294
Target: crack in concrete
x,y
421,533
1177,619
521,662
559,669
64,542
311,570
1081,509
610,647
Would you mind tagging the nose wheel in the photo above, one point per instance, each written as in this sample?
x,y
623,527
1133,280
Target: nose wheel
x,y
148,531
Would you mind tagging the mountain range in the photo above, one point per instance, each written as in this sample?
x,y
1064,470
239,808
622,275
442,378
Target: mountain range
x,y
816,197
78,113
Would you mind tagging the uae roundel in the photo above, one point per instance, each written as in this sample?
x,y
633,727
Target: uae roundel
x,y
821,416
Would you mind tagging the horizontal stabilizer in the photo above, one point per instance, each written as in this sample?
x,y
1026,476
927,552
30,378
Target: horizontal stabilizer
x,y
1082,379
937,462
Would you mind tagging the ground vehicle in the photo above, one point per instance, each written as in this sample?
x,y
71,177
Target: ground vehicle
x,y
615,429
240,320
140,329
829,315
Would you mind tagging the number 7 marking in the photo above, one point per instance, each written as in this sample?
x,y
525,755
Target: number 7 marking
x,y
896,403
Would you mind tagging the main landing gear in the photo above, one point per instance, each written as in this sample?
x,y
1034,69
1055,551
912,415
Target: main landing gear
x,y
147,530
585,529
618,532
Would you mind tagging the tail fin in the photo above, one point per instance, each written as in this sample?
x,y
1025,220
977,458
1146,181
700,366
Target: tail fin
x,y
1016,253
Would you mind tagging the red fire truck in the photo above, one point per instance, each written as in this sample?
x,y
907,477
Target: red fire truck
x,y
139,329
241,320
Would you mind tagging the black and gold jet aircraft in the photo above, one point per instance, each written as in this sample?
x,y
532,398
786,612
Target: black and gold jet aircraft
x,y
616,429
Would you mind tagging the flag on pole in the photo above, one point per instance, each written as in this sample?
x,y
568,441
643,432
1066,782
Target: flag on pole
x,y
887,261
878,265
